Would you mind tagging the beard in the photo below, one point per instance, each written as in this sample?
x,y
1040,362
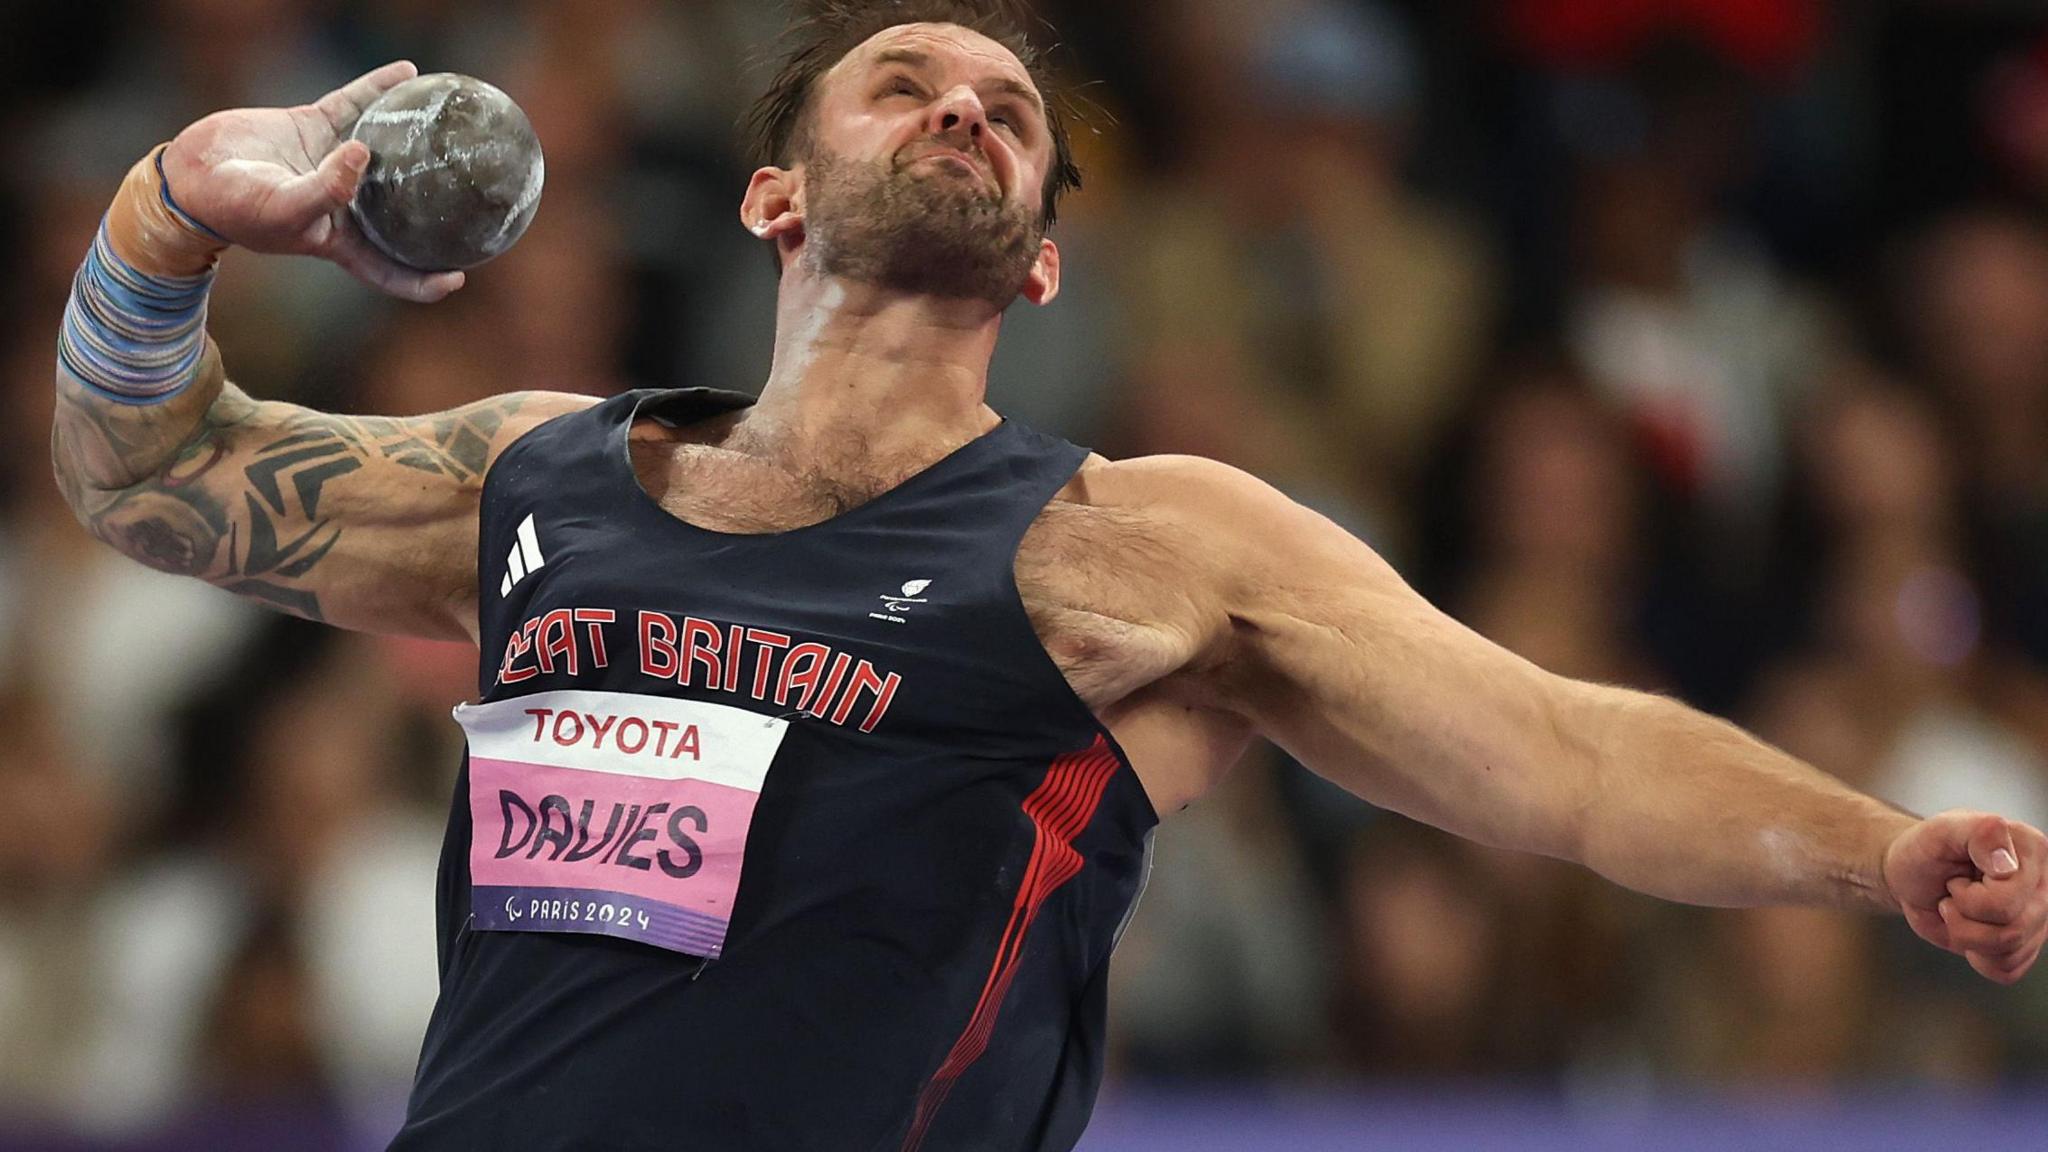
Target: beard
x,y
924,232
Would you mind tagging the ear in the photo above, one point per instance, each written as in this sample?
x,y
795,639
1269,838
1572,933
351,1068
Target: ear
x,y
1044,281
773,205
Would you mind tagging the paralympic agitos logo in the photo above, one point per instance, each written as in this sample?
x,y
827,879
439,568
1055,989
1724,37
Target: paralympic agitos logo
x,y
564,833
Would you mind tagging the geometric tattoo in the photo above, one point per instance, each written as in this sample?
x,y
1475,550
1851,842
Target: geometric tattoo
x,y
263,534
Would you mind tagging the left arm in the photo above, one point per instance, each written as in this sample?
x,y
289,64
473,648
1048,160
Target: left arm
x,y
1323,647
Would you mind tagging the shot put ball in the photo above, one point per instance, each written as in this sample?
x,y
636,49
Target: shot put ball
x,y
455,172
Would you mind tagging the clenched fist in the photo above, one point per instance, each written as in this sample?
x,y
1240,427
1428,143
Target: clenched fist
x,y
279,180
1975,884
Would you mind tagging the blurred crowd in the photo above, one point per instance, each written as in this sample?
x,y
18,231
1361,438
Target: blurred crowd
x,y
1690,345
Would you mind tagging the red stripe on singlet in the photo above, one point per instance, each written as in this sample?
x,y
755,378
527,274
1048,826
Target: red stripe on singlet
x,y
1059,808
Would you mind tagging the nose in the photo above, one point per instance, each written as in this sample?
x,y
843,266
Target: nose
x,y
958,117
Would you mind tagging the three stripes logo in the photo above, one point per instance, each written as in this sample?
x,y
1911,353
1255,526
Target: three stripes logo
x,y
524,558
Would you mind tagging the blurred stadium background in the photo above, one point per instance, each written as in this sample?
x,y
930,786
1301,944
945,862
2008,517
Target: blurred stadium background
x,y
1698,345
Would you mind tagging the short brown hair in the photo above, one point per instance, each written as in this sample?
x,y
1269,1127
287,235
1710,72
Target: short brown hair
x,y
822,32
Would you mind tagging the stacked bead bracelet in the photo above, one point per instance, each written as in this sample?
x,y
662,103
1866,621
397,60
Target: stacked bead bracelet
x,y
130,336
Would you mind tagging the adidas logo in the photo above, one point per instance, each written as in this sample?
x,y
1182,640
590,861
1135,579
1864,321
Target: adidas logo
x,y
524,558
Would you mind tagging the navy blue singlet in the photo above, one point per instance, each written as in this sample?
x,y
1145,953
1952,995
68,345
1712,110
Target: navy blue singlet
x,y
788,842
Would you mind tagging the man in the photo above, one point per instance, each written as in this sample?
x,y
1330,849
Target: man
x,y
822,734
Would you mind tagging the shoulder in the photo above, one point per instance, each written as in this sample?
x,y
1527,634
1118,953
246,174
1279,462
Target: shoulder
x,y
1230,541
523,411
541,406
504,419
1169,483
1227,506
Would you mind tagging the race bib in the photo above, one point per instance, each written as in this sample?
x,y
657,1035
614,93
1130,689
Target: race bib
x,y
612,813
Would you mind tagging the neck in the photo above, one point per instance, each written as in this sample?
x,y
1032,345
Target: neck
x,y
901,373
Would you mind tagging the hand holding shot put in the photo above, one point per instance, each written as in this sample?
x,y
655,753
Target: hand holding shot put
x,y
156,449
280,180
950,800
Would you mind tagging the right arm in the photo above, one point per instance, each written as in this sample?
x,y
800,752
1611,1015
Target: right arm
x,y
1321,646
363,522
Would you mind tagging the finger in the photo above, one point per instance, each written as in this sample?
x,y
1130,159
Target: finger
x,y
1990,901
1989,970
2019,965
344,104
1928,923
1991,848
2029,842
2019,962
312,196
1992,970
355,254
1998,941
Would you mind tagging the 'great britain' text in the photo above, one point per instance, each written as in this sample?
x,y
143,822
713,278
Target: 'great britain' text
x,y
802,676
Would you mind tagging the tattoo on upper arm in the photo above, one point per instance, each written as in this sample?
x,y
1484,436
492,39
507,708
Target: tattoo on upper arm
x,y
264,535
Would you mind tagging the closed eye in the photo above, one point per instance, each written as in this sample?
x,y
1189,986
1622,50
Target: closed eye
x,y
1012,119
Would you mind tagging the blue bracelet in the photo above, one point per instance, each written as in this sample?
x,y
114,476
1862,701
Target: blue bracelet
x,y
163,185
128,336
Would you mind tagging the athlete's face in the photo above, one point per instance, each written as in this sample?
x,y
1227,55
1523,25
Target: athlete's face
x,y
928,154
